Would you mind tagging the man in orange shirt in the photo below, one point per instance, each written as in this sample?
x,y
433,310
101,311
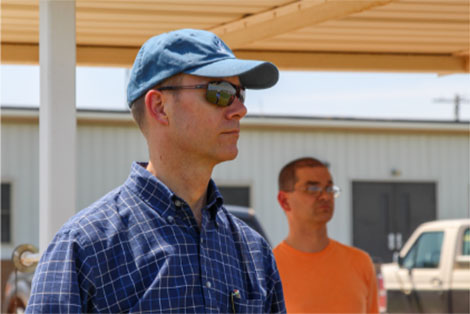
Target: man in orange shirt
x,y
319,274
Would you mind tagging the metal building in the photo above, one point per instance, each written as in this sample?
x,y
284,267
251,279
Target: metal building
x,y
393,174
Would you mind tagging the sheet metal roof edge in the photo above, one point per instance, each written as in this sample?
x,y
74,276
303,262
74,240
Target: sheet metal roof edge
x,y
257,120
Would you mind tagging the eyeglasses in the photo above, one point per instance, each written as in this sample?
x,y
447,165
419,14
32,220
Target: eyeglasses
x,y
316,190
220,93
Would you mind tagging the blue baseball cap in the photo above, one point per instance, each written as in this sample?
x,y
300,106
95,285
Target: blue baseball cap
x,y
194,52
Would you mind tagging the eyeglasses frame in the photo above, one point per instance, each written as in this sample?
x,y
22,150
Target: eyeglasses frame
x,y
335,192
238,90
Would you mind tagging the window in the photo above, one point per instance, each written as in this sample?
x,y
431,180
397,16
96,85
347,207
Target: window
x,y
466,242
6,212
235,195
426,252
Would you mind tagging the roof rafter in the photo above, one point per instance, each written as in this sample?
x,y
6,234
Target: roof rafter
x,y
369,62
313,61
289,18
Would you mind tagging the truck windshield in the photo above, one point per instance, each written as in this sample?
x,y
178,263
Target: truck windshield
x,y
426,252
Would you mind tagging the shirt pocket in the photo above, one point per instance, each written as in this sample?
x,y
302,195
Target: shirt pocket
x,y
248,306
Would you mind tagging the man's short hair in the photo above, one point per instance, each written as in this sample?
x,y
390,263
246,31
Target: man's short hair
x,y
287,178
138,106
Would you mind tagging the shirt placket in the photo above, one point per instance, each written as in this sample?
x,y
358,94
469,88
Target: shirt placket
x,y
187,221
207,275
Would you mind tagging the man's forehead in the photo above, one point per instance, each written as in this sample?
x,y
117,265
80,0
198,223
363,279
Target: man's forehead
x,y
314,174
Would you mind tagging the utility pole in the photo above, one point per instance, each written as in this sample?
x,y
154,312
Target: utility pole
x,y
457,101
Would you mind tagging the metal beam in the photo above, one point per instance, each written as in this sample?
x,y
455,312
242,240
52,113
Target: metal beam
x,y
57,121
442,64
287,60
289,18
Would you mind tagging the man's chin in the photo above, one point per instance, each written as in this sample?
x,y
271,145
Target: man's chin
x,y
325,216
228,155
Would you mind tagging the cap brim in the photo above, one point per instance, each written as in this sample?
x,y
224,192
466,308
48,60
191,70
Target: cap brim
x,y
253,74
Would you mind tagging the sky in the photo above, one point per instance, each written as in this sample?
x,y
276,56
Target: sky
x,y
319,94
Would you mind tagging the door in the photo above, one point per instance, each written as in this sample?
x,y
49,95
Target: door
x,y
421,276
460,289
385,215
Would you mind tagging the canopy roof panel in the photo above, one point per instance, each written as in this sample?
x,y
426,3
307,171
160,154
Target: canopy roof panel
x,y
342,35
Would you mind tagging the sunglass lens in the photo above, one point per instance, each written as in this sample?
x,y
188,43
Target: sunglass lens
x,y
220,93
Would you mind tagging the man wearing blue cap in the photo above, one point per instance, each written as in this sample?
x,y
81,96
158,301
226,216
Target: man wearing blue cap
x,y
163,241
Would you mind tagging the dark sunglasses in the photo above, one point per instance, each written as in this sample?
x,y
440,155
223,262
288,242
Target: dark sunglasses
x,y
220,93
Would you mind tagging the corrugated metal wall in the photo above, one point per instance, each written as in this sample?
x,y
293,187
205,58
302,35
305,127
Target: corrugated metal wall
x,y
104,158
20,168
105,154
443,159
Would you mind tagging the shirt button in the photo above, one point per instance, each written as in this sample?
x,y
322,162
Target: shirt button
x,y
208,284
170,219
178,203
202,240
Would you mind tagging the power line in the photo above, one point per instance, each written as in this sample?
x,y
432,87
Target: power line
x,y
457,101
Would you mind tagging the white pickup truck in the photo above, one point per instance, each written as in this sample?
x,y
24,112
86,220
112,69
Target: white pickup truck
x,y
432,274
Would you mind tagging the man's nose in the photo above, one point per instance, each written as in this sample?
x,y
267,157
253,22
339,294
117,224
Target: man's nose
x,y
325,195
236,110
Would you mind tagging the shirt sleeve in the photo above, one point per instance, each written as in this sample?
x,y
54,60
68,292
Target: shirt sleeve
x,y
61,283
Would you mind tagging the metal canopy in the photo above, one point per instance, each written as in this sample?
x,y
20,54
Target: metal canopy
x,y
340,35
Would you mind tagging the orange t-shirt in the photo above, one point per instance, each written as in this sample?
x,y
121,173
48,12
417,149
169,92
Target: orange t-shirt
x,y
338,279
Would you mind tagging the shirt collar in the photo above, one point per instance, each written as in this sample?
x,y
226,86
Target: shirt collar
x,y
149,188
214,200
156,194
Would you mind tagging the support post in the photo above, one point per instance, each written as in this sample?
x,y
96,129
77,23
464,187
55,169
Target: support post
x,y
57,119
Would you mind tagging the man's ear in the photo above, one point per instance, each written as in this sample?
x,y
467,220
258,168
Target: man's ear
x,y
155,105
283,200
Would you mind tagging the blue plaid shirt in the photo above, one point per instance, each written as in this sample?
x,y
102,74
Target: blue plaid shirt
x,y
139,249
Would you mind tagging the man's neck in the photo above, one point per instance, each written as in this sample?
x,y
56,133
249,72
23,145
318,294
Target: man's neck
x,y
308,239
187,180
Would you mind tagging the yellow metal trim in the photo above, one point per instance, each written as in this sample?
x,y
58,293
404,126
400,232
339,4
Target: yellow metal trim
x,y
312,61
442,64
289,18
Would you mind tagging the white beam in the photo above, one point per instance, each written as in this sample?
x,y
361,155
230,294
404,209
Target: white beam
x,y
289,18
57,122
301,61
285,60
